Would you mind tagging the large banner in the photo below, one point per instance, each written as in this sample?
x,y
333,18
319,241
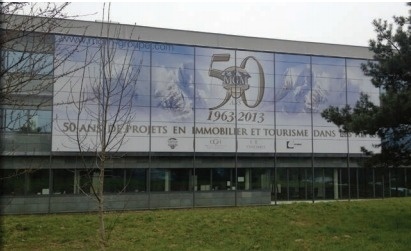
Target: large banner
x,y
186,99
235,102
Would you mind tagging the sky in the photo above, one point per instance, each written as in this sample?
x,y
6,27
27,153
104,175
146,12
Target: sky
x,y
326,22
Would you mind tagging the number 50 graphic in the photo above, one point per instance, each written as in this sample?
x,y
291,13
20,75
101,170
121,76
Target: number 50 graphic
x,y
235,80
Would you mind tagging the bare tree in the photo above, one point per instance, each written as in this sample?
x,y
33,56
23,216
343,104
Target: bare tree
x,y
37,67
100,106
27,76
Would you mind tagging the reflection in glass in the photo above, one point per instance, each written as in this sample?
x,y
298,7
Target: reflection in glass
x,y
259,178
282,184
159,180
253,179
38,182
27,121
31,63
343,183
365,182
329,184
203,179
136,180
63,181
180,179
114,181
397,182
12,182
223,179
380,177
298,183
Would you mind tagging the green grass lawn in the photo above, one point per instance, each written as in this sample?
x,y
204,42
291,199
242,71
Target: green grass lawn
x,y
356,225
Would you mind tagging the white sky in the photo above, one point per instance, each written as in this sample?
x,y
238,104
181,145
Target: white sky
x,y
336,23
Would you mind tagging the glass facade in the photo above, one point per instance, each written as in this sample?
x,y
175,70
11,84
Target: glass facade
x,y
292,184
195,99
210,126
28,62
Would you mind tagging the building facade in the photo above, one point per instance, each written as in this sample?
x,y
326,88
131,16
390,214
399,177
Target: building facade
x,y
200,120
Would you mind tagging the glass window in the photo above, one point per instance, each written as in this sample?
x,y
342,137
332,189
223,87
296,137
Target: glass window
x,y
408,181
398,177
223,179
298,183
16,120
114,180
260,178
180,179
38,182
27,121
2,119
243,179
12,182
63,181
319,183
136,180
24,182
83,180
354,183
365,182
343,183
170,179
40,121
253,179
282,184
158,180
25,62
380,182
330,185
203,179
87,180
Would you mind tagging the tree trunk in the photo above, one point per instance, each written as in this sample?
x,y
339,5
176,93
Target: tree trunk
x,y
100,192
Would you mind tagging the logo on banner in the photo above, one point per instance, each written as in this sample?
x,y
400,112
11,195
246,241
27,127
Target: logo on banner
x,y
235,80
215,141
172,143
292,144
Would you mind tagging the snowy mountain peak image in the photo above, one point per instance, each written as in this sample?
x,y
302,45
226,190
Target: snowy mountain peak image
x,y
296,94
173,91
